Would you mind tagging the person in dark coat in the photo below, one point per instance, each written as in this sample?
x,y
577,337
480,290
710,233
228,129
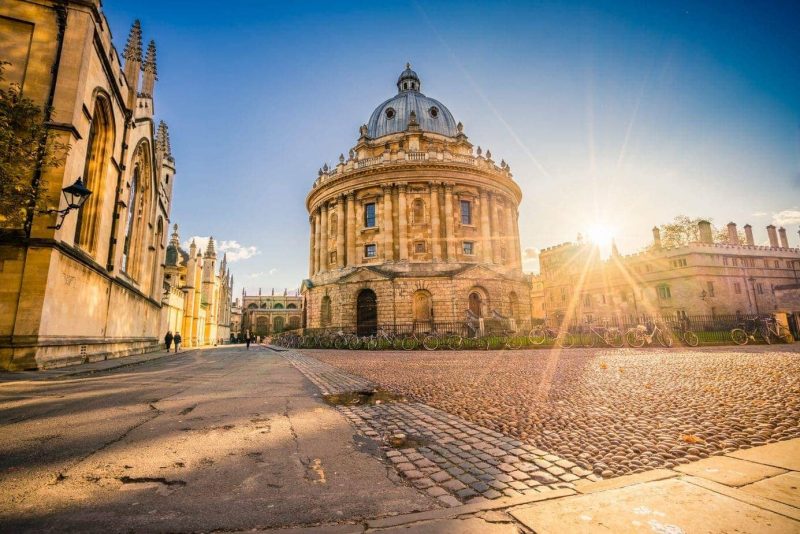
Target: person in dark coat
x,y
168,340
177,340
247,339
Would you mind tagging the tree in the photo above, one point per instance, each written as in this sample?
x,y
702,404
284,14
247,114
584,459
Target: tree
x,y
684,230
25,145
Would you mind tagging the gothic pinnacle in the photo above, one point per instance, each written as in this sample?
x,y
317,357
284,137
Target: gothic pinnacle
x,y
133,48
150,60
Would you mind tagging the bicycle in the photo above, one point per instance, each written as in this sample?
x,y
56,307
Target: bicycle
x,y
688,337
637,336
765,327
542,334
610,335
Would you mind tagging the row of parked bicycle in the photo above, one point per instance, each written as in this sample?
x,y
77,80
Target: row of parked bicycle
x,y
764,330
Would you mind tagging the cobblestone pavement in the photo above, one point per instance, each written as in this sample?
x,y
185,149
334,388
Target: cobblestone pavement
x,y
613,412
444,455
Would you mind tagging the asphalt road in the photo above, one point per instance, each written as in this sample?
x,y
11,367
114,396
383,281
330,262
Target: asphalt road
x,y
223,439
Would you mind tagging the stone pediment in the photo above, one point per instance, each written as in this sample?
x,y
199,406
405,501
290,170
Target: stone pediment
x,y
364,274
477,272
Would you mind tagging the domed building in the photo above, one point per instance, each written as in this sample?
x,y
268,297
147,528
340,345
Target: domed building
x,y
414,226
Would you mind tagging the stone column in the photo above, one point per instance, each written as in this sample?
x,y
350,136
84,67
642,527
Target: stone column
x,y
311,252
317,241
340,224
351,228
486,231
510,238
517,244
495,227
387,227
323,249
436,233
402,222
449,234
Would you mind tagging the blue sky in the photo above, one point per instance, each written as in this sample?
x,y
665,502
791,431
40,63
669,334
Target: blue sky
x,y
616,115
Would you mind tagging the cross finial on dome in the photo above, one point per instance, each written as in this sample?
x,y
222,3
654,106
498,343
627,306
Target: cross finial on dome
x,y
408,64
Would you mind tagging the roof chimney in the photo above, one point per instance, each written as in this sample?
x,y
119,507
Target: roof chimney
x,y
784,239
656,237
773,236
705,232
748,235
733,235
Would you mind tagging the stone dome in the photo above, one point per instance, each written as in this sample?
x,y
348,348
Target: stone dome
x,y
393,115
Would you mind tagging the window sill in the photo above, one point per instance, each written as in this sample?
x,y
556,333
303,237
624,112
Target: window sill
x,y
370,229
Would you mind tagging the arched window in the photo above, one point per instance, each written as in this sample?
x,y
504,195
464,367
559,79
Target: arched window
x,y
418,211
366,313
138,215
100,146
262,326
158,244
278,306
513,302
294,322
252,305
277,324
291,306
325,318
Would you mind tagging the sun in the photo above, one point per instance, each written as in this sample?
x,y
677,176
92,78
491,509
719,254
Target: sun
x,y
601,235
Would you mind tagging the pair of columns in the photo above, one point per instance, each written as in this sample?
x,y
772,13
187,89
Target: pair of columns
x,y
346,227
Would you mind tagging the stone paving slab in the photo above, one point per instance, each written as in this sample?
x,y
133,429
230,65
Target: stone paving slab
x,y
729,471
783,488
666,506
450,459
784,454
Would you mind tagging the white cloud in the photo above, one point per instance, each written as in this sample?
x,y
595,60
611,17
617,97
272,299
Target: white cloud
x,y
759,214
233,250
262,274
786,217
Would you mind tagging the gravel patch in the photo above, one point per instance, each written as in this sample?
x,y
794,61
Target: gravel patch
x,y
613,412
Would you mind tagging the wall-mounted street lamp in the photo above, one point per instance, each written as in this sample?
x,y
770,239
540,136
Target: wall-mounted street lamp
x,y
75,195
703,295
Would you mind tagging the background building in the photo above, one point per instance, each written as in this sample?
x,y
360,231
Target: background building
x,y
197,297
106,260
700,278
414,225
267,315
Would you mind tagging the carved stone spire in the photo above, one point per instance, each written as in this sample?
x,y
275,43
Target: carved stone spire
x,y
150,71
162,140
174,239
210,252
133,48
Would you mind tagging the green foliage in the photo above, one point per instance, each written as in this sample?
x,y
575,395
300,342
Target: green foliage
x,y
24,144
684,230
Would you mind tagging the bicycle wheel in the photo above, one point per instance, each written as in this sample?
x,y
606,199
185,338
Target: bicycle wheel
x,y
634,339
430,342
537,336
514,342
372,343
340,342
397,342
766,335
690,338
565,340
664,339
353,343
739,336
613,338
409,343
454,342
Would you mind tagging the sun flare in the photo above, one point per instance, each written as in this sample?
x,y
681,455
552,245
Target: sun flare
x,y
601,235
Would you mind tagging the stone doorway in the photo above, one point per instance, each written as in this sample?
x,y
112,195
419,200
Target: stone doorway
x,y
367,313
476,304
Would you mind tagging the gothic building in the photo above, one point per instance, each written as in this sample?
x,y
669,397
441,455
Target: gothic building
x,y
270,314
92,288
197,297
414,225
700,278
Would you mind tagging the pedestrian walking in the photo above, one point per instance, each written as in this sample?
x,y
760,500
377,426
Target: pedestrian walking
x,y
168,340
177,340
247,340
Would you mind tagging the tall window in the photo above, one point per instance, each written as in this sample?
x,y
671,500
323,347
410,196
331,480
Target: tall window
x,y
664,293
126,247
737,288
100,145
468,248
334,224
466,212
587,300
369,215
710,289
326,311
418,211
370,251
